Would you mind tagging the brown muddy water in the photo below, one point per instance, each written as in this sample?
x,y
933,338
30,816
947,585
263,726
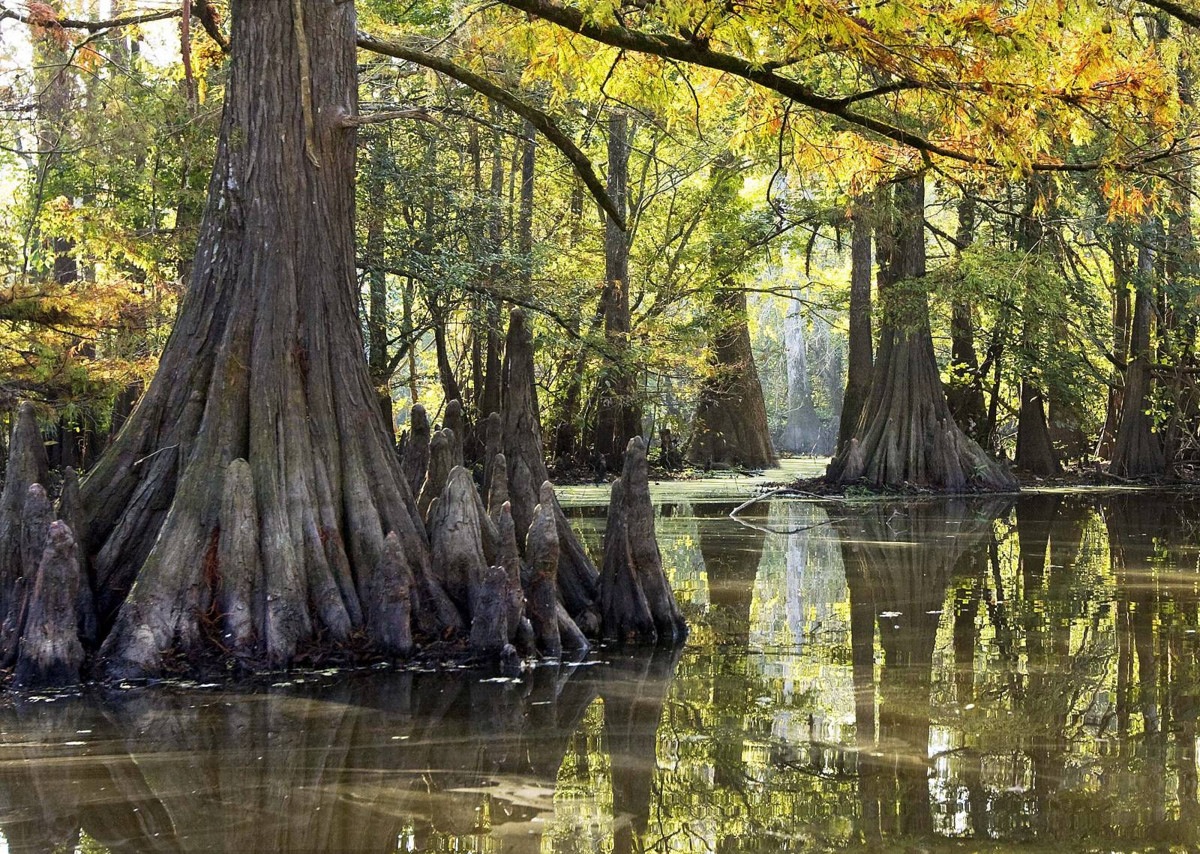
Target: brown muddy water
x,y
965,675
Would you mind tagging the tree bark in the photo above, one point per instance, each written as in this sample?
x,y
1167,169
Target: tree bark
x,y
618,413
1120,346
265,363
637,605
1035,451
861,357
27,465
965,391
907,436
730,425
1138,449
802,433
50,653
527,478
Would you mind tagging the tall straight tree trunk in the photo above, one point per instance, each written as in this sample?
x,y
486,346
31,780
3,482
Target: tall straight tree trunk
x,y
525,209
618,413
573,360
906,435
265,363
1179,320
861,356
1035,451
1138,449
492,368
1120,346
730,427
802,434
965,393
378,359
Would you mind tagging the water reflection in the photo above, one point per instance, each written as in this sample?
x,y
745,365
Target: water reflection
x,y
873,675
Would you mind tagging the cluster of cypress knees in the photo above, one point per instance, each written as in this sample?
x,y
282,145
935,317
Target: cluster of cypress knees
x,y
507,578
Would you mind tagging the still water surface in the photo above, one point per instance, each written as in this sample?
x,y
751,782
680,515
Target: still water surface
x,y
930,675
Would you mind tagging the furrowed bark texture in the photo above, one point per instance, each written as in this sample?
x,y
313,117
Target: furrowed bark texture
x,y
637,605
730,426
50,652
70,510
578,579
27,465
860,346
265,364
414,455
906,435
35,524
1138,449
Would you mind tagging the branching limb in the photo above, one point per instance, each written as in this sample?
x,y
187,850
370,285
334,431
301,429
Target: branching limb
x,y
1177,11
202,9
669,47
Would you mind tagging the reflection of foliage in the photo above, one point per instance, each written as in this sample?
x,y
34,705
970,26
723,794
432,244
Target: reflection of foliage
x,y
583,801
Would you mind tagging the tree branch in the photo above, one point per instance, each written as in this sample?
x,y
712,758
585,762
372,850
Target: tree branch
x,y
200,8
416,113
539,119
1175,10
669,47
89,26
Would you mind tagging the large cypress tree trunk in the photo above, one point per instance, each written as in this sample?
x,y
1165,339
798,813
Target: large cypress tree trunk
x,y
906,435
730,426
265,363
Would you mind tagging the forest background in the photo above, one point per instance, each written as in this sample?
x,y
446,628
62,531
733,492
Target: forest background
x,y
767,163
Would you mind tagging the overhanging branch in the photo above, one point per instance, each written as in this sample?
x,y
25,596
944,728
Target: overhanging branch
x,y
702,54
1177,11
485,87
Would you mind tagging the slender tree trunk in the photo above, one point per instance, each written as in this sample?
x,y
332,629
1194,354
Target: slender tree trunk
x,y
1138,450
1120,347
265,363
1180,321
802,432
573,361
965,392
861,356
378,359
492,379
618,413
1035,451
906,435
525,211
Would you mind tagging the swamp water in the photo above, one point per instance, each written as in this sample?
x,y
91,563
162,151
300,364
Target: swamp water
x,y
922,675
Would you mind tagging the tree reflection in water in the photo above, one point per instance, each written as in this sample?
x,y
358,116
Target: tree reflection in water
x,y
876,674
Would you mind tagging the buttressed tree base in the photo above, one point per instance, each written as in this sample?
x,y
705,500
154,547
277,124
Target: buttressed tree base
x,y
253,507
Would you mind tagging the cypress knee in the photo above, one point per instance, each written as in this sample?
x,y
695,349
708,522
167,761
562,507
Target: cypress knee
x,y
414,459
50,652
541,585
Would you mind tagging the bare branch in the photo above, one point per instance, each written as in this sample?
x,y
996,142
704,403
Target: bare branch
x,y
202,9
